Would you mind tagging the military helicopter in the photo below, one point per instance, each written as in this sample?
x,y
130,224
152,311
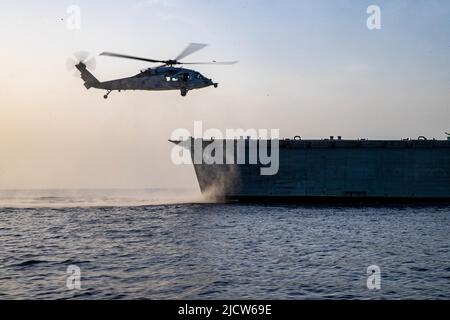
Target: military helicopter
x,y
164,77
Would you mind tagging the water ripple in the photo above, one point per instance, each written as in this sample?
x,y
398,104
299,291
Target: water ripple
x,y
212,251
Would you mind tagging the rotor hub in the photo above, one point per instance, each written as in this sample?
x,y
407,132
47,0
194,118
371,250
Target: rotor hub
x,y
171,62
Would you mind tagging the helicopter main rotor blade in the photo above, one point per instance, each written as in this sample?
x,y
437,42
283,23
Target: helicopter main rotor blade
x,y
190,49
212,63
118,55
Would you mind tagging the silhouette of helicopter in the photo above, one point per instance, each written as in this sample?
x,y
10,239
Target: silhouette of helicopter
x,y
163,77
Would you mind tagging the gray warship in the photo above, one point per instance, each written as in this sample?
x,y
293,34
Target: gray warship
x,y
334,170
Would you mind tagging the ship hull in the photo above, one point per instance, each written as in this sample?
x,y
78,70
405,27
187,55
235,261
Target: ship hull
x,y
350,171
326,200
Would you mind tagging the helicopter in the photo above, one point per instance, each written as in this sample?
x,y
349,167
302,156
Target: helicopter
x,y
166,76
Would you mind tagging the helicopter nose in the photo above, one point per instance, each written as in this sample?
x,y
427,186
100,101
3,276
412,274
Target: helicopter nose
x,y
208,82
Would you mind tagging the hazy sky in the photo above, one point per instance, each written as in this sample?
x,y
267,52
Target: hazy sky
x,y
309,68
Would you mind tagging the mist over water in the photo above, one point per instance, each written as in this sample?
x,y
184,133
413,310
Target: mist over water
x,y
85,198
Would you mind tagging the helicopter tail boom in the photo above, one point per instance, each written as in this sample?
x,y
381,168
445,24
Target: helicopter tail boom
x,y
89,79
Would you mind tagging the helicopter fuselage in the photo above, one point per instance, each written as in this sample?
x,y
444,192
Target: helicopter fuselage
x,y
162,78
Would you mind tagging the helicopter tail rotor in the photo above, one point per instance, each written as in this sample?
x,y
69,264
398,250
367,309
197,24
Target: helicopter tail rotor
x,y
81,57
82,61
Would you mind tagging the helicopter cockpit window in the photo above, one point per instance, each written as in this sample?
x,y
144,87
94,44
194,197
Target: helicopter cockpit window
x,y
171,79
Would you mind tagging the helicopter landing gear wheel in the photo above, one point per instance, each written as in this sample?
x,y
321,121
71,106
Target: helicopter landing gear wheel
x,y
216,85
183,92
107,94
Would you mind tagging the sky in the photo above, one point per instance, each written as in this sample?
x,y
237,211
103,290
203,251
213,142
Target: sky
x,y
308,68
